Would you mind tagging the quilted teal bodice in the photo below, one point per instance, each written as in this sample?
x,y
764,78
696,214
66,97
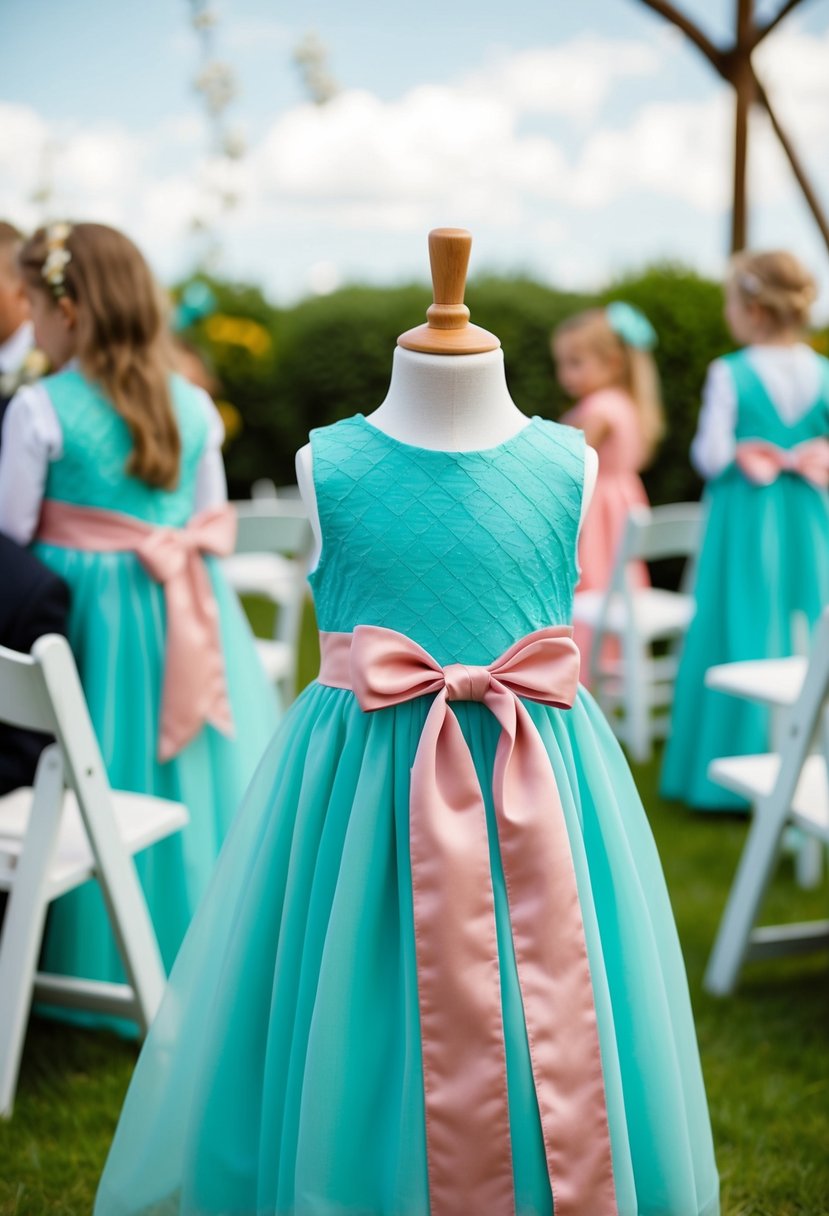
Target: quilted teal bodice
x,y
97,445
757,417
465,552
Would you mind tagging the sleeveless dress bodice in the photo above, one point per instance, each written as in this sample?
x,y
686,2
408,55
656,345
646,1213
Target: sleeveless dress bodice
x,y
757,417
91,471
464,552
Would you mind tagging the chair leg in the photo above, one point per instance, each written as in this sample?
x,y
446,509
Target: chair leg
x,y
808,863
740,916
23,922
637,702
128,914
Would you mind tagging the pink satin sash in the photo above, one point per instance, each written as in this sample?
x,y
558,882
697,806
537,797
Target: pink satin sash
x,y
459,990
763,462
195,689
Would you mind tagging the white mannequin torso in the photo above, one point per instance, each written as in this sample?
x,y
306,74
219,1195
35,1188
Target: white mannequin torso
x,y
449,403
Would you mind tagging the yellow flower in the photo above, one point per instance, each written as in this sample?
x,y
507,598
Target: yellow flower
x,y
231,418
35,365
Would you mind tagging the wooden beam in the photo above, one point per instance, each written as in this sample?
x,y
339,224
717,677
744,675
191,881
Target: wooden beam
x,y
704,44
795,162
742,78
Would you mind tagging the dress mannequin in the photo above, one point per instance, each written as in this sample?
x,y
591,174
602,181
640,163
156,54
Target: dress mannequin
x,y
448,391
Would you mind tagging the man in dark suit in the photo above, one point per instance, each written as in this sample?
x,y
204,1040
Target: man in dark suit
x,y
33,601
16,336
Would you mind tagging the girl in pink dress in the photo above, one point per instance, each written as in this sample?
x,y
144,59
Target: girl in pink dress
x,y
603,360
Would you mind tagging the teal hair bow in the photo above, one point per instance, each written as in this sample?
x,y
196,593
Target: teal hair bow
x,y
631,325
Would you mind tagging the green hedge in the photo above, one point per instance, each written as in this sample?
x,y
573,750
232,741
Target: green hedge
x,y
331,357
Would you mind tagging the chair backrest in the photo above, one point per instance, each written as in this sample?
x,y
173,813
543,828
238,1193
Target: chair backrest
x,y
273,525
24,698
42,692
264,488
659,532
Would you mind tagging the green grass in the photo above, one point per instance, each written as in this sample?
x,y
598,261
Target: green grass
x,y
765,1051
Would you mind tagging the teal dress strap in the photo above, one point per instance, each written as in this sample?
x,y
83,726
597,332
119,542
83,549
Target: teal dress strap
x,y
757,415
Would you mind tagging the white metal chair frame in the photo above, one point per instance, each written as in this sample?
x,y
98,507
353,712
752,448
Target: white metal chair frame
x,y
41,858
273,543
631,691
789,787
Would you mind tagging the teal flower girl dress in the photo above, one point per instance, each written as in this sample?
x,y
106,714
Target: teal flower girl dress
x,y
764,559
334,1041
117,631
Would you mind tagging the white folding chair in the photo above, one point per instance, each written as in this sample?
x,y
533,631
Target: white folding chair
x,y
776,684
641,682
273,542
786,787
70,827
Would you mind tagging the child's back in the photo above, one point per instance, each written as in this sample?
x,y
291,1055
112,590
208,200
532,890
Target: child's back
x,y
120,494
763,443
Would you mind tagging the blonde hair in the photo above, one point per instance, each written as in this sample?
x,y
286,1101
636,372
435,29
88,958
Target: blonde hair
x,y
777,282
638,376
10,241
122,339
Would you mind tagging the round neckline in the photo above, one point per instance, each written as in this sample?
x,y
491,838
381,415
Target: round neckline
x,y
412,447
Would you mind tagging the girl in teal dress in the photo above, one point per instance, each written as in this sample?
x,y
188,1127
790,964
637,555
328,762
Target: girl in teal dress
x,y
763,445
112,441
336,1040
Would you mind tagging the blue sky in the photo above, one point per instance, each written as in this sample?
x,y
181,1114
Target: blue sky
x,y
575,140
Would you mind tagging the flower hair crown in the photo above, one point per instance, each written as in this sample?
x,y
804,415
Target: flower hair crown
x,y
57,259
631,325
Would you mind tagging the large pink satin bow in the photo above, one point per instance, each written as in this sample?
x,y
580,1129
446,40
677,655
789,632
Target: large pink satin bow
x,y
195,689
459,989
763,462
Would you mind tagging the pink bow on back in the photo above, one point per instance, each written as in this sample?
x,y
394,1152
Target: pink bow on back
x,y
459,990
763,462
195,689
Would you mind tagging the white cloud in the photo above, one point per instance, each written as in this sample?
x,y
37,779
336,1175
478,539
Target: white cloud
x,y
519,149
793,67
678,150
573,79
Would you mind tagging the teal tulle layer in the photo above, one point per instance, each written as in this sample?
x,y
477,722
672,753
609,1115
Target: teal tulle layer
x,y
283,1073
765,559
117,633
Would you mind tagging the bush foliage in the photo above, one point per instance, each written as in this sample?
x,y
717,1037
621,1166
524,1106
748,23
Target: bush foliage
x,y
330,356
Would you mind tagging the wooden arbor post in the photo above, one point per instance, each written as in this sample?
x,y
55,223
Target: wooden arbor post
x,y
734,65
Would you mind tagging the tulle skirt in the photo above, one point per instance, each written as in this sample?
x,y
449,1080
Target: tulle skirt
x,y
764,559
117,634
283,1073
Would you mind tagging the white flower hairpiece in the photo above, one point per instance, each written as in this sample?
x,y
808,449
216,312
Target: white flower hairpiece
x,y
750,283
57,259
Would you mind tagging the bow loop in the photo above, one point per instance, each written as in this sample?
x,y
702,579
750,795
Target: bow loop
x,y
762,463
543,667
388,668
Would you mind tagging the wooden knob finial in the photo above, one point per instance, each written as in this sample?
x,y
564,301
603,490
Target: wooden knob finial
x,y
447,331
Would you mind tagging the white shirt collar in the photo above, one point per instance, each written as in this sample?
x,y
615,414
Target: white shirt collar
x,y
15,349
